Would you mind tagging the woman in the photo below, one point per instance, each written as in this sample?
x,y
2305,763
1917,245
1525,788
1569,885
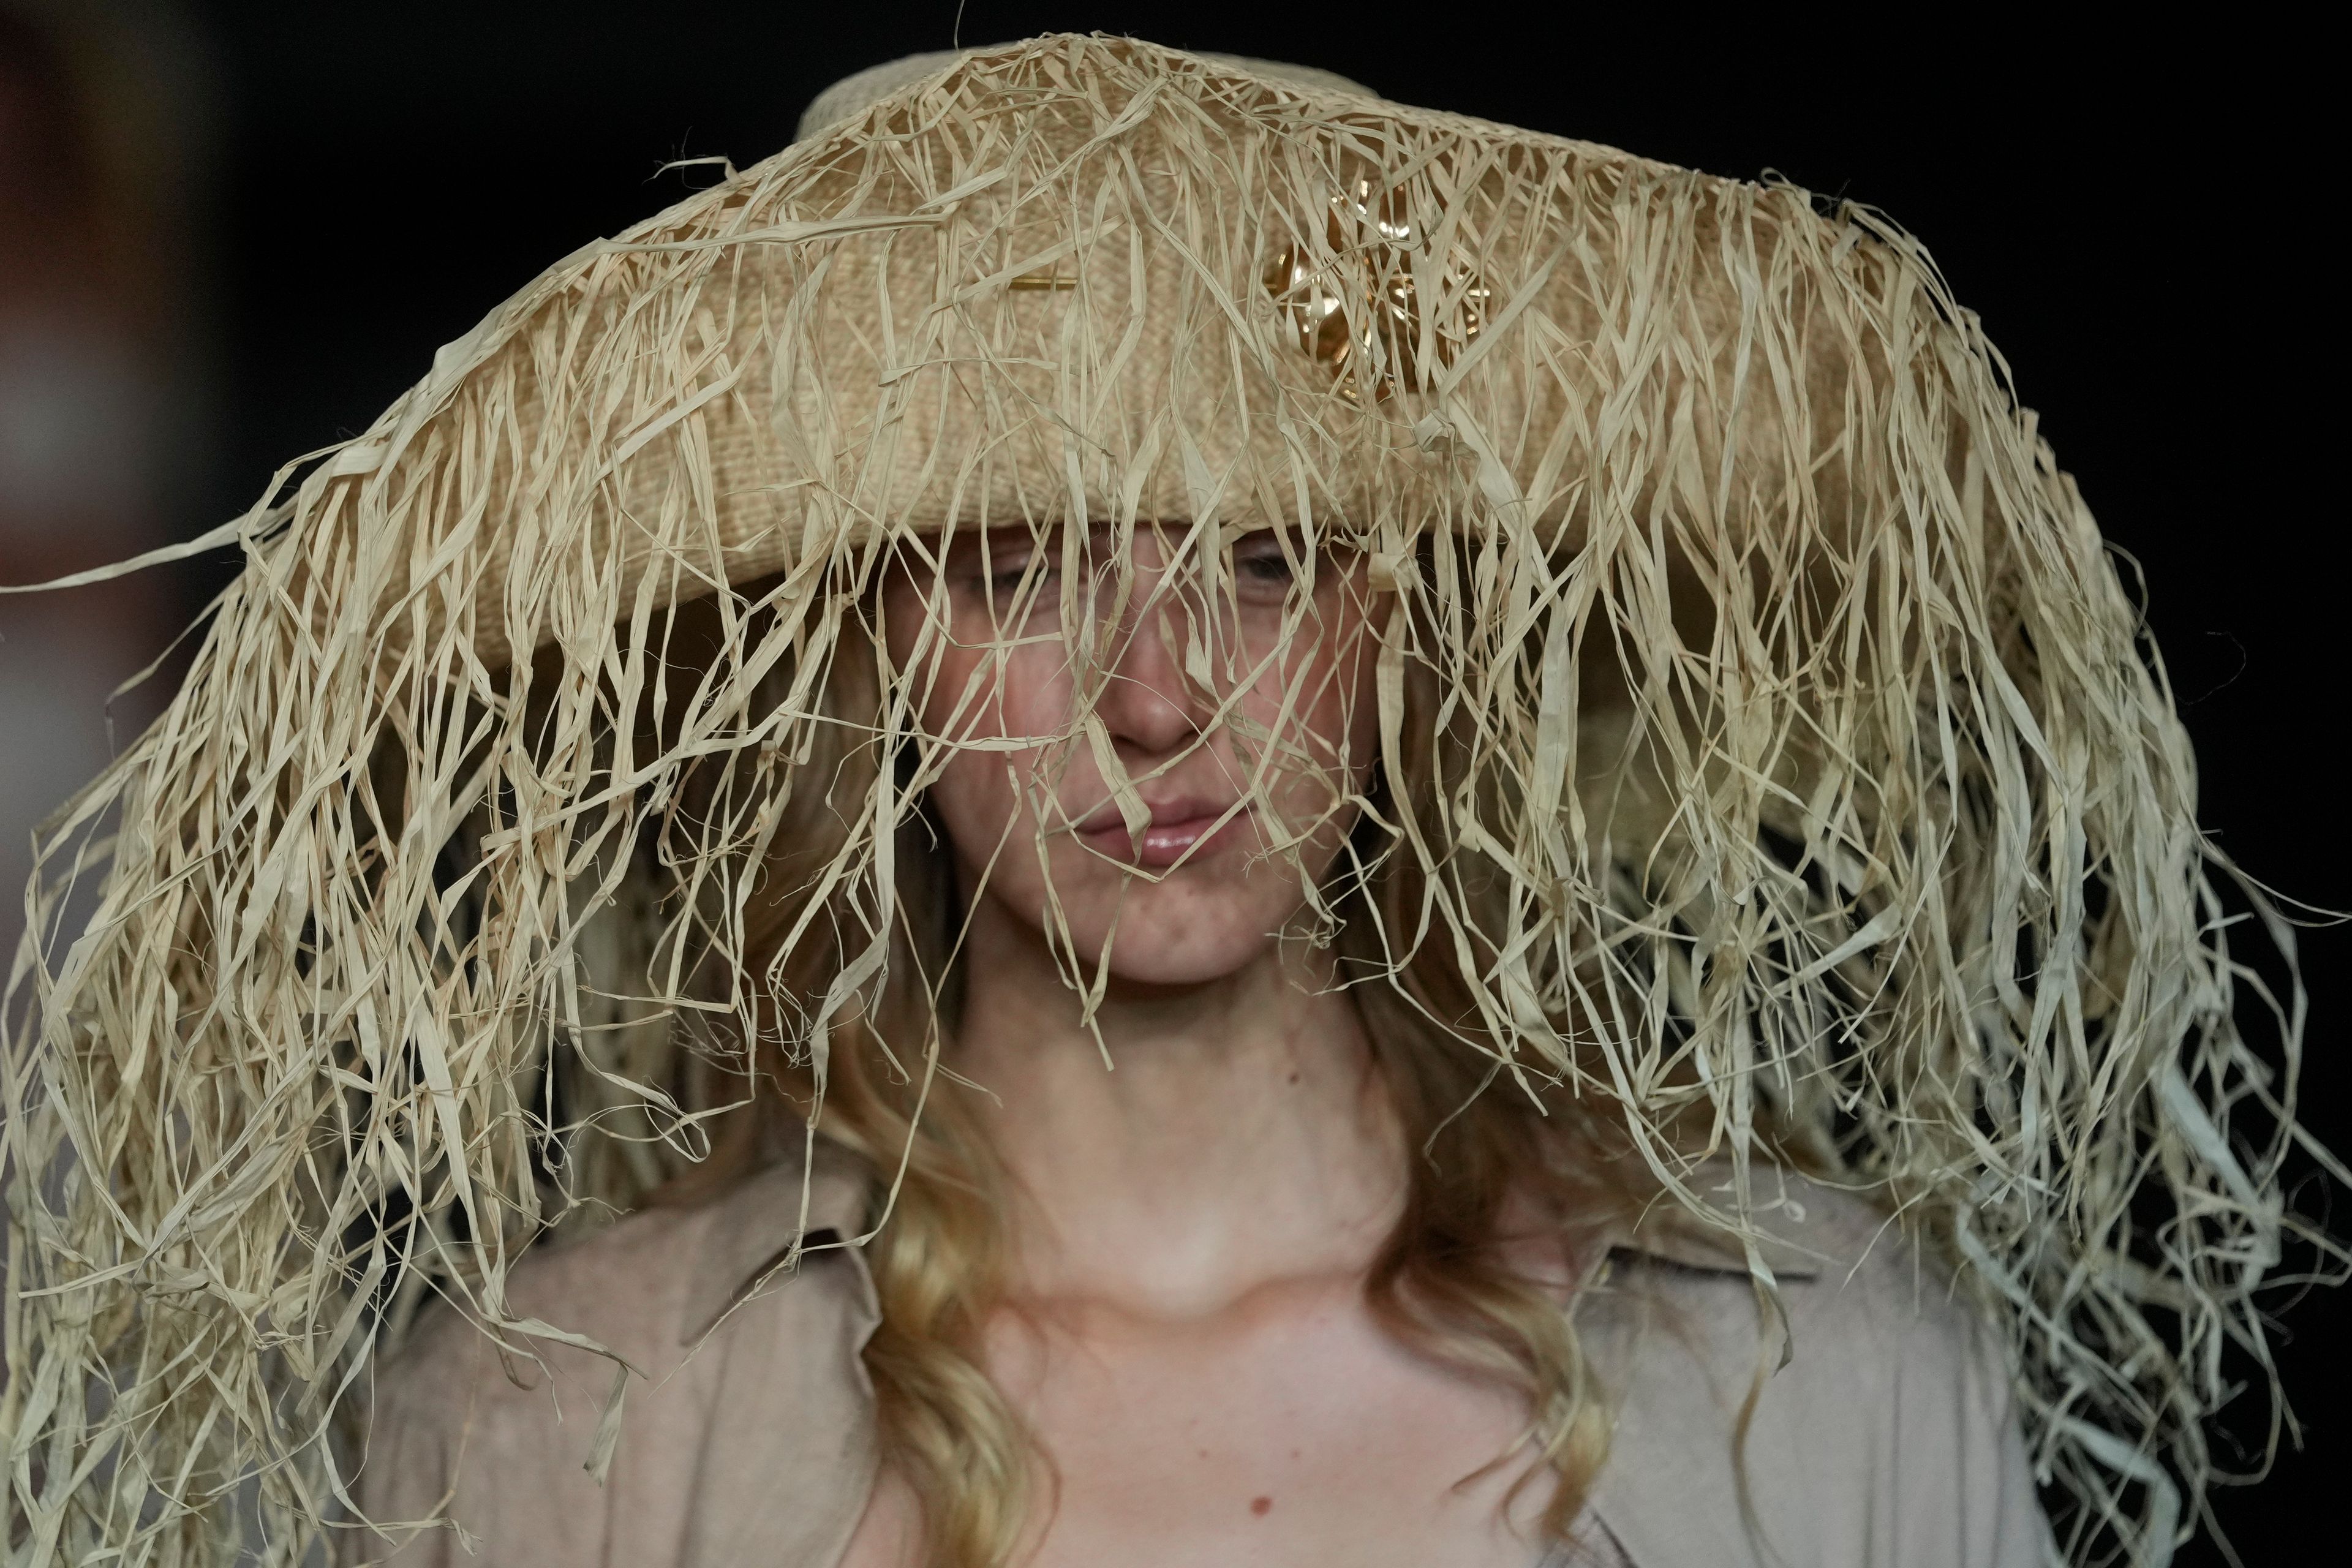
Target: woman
x,y
1262,828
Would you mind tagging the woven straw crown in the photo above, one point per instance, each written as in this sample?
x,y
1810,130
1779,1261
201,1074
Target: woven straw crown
x,y
855,344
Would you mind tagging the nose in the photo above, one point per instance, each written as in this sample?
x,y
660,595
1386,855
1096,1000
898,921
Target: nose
x,y
1147,704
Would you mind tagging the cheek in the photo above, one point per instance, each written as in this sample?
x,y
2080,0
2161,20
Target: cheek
x,y
1354,702
974,803
1333,687
970,695
973,691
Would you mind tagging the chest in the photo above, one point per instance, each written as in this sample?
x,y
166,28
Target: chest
x,y
1295,1431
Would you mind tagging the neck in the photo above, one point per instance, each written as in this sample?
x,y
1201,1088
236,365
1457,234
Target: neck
x,y
1237,1136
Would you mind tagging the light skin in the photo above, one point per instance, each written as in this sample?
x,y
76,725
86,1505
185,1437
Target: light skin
x,y
1187,1332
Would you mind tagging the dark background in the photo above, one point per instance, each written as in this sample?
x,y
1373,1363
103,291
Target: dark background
x,y
2139,216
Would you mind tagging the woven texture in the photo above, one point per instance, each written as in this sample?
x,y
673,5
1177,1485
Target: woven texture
x,y
1811,788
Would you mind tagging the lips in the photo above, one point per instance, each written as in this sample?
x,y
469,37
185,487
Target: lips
x,y
1177,827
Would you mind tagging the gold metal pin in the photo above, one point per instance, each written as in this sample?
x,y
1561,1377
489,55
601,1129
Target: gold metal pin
x,y
1358,305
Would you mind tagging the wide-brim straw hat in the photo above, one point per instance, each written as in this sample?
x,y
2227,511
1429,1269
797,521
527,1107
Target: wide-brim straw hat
x,y
1812,760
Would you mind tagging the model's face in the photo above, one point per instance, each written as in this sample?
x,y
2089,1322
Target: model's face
x,y
1229,738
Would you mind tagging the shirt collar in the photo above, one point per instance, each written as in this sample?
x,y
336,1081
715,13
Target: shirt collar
x,y
1667,1233
766,1225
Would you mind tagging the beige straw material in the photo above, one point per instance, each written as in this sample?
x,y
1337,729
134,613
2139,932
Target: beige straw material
x,y
1813,789
859,92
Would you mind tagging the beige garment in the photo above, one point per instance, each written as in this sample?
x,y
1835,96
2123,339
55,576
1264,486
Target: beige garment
x,y
1887,1442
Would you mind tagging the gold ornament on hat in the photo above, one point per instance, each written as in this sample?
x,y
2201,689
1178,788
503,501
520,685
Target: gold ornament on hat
x,y
1363,306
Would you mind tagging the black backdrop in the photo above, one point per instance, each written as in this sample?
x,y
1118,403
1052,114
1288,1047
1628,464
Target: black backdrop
x,y
2132,213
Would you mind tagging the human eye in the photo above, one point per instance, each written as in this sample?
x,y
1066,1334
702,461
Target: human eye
x,y
1009,577
1262,568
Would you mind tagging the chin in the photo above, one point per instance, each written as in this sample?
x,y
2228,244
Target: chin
x,y
1193,958
1190,928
